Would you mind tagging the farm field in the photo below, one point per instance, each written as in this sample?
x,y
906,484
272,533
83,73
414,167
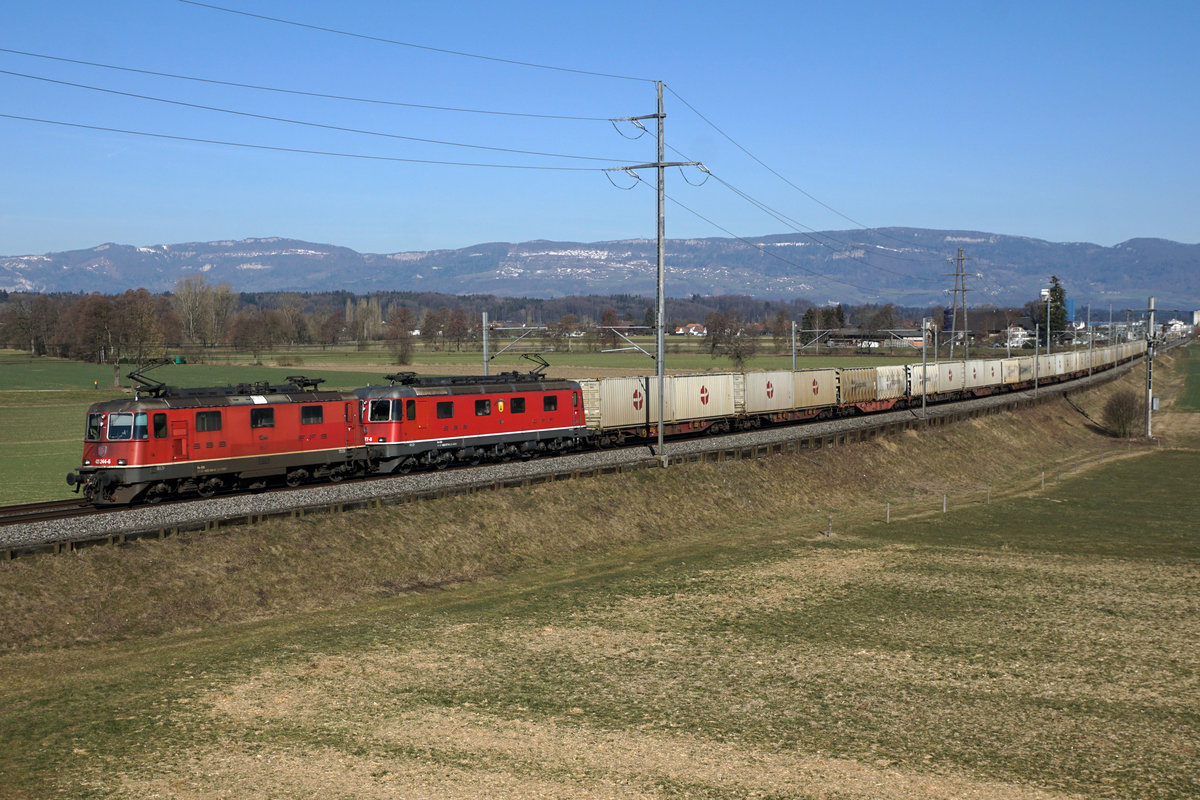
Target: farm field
x,y
689,632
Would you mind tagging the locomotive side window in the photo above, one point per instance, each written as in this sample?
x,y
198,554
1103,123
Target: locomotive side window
x,y
445,410
208,421
483,407
379,411
95,424
312,415
120,426
410,409
517,405
262,418
550,402
141,425
160,426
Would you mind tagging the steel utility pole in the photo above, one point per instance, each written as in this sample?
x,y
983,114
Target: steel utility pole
x,y
1150,338
960,289
486,360
660,312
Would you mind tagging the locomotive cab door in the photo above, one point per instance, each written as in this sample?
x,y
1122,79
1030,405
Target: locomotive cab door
x,y
179,440
352,422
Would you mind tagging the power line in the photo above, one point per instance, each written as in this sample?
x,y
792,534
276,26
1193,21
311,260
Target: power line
x,y
299,92
787,220
796,226
461,53
297,149
761,163
302,122
758,247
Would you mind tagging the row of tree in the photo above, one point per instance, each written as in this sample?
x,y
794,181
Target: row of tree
x,y
136,325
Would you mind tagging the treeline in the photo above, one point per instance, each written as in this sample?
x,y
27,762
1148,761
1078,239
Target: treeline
x,y
137,325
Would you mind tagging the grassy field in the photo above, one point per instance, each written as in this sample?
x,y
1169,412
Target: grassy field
x,y
679,633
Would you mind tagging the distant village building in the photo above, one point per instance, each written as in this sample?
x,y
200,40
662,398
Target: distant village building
x,y
691,329
1018,336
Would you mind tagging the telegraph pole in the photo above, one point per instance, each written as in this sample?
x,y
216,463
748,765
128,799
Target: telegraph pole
x,y
660,311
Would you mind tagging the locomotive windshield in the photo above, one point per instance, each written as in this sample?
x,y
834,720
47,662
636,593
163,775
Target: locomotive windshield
x,y
95,424
379,411
124,425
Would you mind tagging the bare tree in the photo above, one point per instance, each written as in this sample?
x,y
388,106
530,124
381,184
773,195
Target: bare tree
x,y
1122,411
399,334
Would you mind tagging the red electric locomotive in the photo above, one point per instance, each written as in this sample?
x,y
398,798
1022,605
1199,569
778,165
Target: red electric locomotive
x,y
168,441
433,422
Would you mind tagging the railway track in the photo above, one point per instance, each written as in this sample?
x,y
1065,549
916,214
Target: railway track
x,y
44,512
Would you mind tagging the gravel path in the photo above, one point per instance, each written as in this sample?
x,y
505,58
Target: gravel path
x,y
165,516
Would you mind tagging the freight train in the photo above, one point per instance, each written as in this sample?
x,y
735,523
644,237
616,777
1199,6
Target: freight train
x,y
169,442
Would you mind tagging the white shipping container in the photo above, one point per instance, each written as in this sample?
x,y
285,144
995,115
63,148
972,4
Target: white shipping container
x,y
815,388
857,385
768,392
974,376
918,387
890,382
1027,366
1010,371
951,376
702,396
993,372
623,402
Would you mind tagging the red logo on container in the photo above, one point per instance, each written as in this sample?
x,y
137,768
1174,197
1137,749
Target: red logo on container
x,y
950,374
637,399
770,389
703,395
814,386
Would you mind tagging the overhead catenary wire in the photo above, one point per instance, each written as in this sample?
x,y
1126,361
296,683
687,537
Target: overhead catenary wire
x,y
756,246
302,93
310,124
444,51
770,169
813,233
280,149
845,252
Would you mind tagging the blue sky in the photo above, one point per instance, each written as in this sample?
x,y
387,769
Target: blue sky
x,y
1066,121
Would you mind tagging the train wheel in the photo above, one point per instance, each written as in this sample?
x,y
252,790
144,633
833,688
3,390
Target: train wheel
x,y
209,487
406,466
158,492
295,478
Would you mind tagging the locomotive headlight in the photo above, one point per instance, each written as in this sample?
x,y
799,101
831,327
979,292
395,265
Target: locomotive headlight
x,y
87,462
120,462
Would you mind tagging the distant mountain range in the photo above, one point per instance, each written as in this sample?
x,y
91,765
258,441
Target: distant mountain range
x,y
906,266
